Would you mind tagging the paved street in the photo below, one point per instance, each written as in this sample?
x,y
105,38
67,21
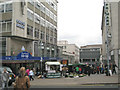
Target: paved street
x,y
93,80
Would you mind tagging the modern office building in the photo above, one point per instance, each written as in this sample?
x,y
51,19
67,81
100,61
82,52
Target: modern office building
x,y
29,25
90,54
111,32
70,52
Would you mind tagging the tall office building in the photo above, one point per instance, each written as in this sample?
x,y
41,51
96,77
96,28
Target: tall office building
x,y
31,26
28,24
111,32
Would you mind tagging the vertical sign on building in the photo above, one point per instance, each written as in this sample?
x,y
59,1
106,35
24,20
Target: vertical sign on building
x,y
107,14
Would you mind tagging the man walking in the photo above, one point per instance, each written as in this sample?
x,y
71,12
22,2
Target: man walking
x,y
5,78
113,69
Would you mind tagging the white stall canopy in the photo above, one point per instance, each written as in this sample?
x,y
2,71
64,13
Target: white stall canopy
x,y
52,63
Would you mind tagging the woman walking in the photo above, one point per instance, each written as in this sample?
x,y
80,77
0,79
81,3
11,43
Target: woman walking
x,y
22,82
31,74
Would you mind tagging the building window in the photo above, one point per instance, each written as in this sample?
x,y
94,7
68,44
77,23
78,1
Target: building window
x,y
37,5
47,24
29,30
2,8
51,39
47,37
30,14
42,22
37,18
36,33
42,35
31,2
8,7
47,12
42,8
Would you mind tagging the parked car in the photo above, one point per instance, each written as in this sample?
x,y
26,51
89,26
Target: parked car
x,y
11,75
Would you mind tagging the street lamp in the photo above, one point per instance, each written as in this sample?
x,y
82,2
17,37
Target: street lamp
x,y
41,67
40,54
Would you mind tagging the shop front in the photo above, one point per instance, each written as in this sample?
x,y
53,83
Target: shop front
x,y
25,59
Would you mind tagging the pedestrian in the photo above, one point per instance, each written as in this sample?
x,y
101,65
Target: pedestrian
x,y
98,69
77,70
27,72
113,69
31,74
5,78
80,70
88,70
22,82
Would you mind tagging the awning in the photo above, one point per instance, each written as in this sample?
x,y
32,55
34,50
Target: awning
x,y
52,63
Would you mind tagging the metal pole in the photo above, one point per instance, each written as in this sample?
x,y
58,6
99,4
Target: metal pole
x,y
41,67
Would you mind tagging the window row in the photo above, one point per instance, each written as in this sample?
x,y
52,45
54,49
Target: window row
x,y
38,19
5,7
52,4
41,34
45,10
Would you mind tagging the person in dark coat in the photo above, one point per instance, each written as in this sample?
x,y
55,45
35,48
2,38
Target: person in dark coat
x,y
113,69
88,70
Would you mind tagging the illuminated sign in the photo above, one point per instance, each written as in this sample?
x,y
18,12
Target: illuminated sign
x,y
20,24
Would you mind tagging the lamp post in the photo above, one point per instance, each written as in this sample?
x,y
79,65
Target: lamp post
x,y
40,54
41,67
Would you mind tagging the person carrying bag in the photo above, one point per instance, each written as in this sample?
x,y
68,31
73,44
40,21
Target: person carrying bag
x,y
22,82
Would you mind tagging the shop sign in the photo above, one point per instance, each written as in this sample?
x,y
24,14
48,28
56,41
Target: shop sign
x,y
64,62
24,55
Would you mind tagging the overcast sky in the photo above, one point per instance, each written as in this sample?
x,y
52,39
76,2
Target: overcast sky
x,y
79,21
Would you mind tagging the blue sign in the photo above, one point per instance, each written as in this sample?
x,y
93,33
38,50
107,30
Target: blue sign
x,y
20,24
24,55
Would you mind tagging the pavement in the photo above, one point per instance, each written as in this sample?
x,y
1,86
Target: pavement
x,y
93,81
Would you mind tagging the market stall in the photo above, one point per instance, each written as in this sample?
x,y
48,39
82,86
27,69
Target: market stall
x,y
53,69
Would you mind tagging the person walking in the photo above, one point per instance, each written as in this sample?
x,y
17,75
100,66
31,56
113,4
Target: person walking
x,y
31,74
88,70
22,82
80,70
5,79
77,70
27,72
113,69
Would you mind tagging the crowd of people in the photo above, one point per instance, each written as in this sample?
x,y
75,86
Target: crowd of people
x,y
91,69
22,81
